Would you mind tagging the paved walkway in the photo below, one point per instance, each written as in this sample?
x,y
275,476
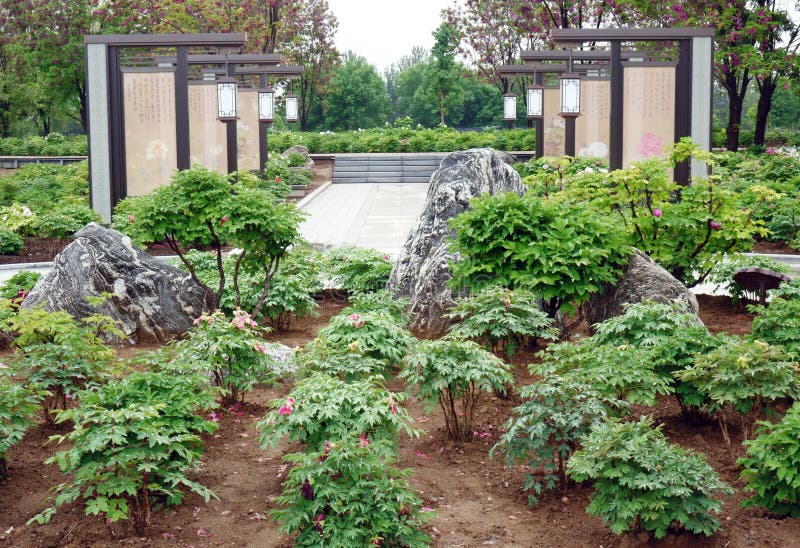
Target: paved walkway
x,y
377,215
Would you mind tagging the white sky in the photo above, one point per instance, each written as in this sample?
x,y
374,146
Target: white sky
x,y
383,31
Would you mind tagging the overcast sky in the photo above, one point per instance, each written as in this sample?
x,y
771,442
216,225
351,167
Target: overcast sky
x,y
385,30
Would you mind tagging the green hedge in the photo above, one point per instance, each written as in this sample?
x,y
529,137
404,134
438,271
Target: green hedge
x,y
54,144
773,137
403,140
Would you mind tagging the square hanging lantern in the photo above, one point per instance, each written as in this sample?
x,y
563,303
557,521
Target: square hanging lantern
x,y
226,99
535,101
291,108
509,107
570,94
266,105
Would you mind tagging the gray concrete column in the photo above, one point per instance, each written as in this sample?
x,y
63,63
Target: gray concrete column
x,y
99,138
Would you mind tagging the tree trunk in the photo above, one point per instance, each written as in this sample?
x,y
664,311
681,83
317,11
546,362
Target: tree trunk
x,y
735,100
83,109
766,90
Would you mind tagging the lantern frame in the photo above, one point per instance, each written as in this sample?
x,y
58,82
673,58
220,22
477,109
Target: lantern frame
x,y
570,94
534,104
226,99
509,107
292,108
266,105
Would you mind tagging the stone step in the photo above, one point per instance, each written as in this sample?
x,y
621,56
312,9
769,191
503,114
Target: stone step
x,y
386,168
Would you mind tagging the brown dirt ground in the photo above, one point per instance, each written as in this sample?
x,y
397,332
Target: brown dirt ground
x,y
478,500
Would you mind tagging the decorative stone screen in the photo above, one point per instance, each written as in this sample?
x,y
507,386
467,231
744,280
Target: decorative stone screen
x,y
247,129
150,149
592,134
554,133
207,144
649,116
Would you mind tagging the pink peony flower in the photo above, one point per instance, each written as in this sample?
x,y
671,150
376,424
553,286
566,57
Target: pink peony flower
x,y
508,304
715,225
223,220
391,404
287,408
772,151
356,320
656,213
277,179
260,348
131,218
362,440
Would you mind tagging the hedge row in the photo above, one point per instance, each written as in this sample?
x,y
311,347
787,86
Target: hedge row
x,y
54,144
404,140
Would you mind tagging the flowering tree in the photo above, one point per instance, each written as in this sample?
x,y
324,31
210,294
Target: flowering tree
x,y
755,39
308,41
495,31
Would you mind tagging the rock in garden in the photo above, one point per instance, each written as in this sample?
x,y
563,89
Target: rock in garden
x,y
151,300
642,280
421,271
302,151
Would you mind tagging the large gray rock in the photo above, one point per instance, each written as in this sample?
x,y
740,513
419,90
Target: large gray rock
x,y
642,280
151,300
302,151
421,271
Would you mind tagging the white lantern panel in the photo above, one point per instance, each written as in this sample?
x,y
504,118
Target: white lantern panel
x,y
570,96
266,106
226,99
535,101
510,107
291,109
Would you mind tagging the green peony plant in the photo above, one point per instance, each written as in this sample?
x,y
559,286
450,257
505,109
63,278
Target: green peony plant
x,y
742,377
347,493
57,354
615,371
503,319
323,408
17,408
133,448
453,374
373,334
772,466
644,483
562,251
548,427
232,351
779,323
359,270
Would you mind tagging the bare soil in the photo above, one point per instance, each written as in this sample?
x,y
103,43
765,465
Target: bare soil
x,y
478,500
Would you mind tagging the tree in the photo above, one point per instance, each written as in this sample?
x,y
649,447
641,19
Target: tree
x,y
775,56
309,42
50,34
495,31
392,75
357,96
785,111
754,40
261,20
444,78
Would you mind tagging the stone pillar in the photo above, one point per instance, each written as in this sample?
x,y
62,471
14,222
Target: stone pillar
x,y
99,124
702,91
